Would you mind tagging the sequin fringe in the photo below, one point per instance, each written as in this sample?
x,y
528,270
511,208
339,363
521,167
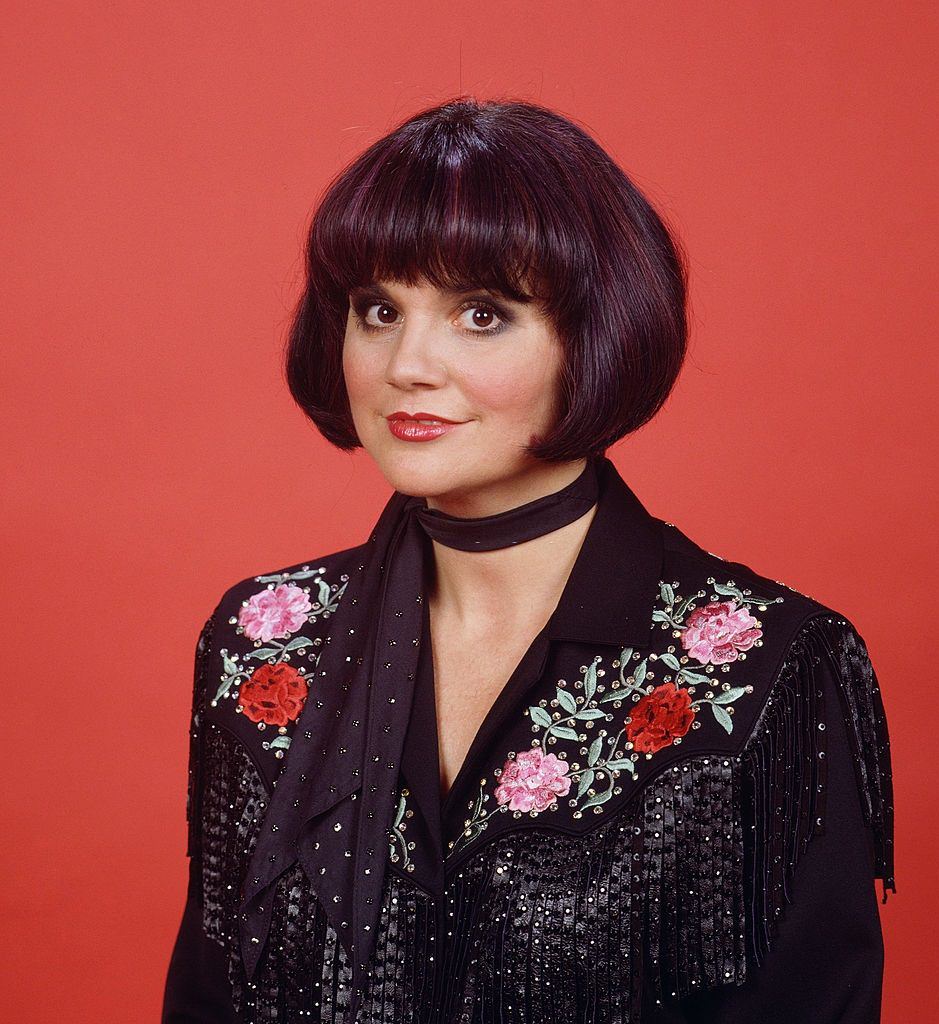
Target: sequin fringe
x,y
721,836
680,892
870,743
304,973
193,804
786,769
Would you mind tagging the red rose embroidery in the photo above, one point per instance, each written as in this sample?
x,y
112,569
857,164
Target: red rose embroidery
x,y
659,718
274,694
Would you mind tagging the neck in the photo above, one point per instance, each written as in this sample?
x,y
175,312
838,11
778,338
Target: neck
x,y
482,591
533,481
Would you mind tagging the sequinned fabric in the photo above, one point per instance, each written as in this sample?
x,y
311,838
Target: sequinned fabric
x,y
644,829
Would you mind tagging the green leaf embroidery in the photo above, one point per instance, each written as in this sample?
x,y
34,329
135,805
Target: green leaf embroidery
x,y
566,701
695,677
224,687
599,798
722,717
540,717
590,713
297,642
729,696
283,577
590,681
263,653
586,781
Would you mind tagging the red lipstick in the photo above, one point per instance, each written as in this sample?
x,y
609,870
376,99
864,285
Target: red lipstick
x,y
420,426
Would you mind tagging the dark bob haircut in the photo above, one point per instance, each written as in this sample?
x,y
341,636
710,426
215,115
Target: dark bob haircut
x,y
513,197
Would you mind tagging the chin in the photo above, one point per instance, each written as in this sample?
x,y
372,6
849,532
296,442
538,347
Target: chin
x,y
423,473
432,469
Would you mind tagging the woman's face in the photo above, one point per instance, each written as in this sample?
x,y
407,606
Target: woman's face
x,y
490,364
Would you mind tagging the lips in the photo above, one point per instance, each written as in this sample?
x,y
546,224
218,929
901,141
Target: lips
x,y
421,417
420,426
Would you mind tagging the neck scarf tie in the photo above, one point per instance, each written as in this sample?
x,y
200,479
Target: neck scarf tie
x,y
332,805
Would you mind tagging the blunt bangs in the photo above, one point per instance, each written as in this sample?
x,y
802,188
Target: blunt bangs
x,y
438,214
515,198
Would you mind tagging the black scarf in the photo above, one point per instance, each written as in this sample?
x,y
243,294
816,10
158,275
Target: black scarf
x,y
333,804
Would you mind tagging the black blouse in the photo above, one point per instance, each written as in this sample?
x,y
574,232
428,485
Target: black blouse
x,y
673,812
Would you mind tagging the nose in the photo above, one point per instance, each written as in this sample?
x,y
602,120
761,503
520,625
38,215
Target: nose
x,y
414,357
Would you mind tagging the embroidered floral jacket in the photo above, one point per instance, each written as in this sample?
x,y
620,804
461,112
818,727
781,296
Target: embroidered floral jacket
x,y
674,811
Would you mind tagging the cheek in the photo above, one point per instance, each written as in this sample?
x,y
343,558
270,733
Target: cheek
x,y
522,390
358,371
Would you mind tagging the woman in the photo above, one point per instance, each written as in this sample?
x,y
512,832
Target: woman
x,y
528,753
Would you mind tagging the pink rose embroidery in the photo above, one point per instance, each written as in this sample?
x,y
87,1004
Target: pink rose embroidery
x,y
274,613
532,781
718,631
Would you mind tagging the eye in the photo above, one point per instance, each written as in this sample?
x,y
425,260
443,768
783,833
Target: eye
x,y
484,313
363,308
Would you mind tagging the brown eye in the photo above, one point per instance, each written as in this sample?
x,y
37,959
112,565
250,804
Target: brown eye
x,y
480,318
385,315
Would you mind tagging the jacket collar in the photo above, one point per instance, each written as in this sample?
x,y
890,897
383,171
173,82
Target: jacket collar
x,y
609,595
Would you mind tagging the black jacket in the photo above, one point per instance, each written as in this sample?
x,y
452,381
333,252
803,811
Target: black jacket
x,y
673,812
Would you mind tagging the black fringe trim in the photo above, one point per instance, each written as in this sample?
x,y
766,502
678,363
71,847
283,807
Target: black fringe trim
x,y
303,973
870,742
196,731
722,836
690,879
687,884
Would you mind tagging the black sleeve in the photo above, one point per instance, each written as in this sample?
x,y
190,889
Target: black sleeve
x,y
197,989
825,964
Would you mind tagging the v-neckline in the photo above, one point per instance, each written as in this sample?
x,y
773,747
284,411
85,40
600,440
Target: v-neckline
x,y
525,673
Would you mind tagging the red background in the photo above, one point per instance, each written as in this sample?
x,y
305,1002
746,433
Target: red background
x,y
160,169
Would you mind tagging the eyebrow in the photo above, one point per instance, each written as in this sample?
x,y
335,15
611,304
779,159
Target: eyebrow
x,y
377,289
